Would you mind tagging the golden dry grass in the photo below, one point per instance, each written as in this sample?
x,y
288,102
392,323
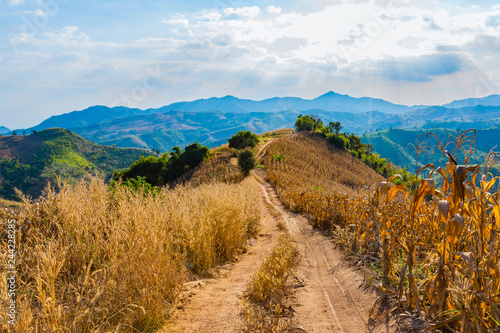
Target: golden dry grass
x,y
315,178
438,248
95,259
263,308
217,169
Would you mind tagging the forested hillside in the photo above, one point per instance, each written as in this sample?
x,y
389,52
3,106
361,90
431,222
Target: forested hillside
x,y
29,162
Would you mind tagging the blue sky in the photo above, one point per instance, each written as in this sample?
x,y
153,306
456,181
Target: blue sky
x,y
62,55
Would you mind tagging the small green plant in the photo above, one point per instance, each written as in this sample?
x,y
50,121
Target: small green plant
x,y
247,161
243,139
278,157
140,184
319,188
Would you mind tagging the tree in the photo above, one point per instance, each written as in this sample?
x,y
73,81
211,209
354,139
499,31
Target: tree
x,y
243,139
246,161
335,127
14,133
338,141
167,168
308,123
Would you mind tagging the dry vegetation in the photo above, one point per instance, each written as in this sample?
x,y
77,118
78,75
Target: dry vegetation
x,y
437,249
95,259
217,169
312,177
268,289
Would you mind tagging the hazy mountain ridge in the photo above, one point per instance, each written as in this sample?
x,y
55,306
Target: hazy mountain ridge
x,y
229,104
4,130
330,101
492,100
180,124
429,117
92,115
165,130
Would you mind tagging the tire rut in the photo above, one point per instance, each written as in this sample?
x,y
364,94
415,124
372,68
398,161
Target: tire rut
x,y
333,299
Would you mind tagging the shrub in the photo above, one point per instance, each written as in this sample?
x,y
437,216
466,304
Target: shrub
x,y
338,141
243,139
140,185
165,169
308,123
247,161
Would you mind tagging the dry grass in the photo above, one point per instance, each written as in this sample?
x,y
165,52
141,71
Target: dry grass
x,y
9,204
437,248
95,259
268,289
317,179
308,161
217,169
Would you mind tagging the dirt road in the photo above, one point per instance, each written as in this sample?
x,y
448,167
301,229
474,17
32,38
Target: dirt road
x,y
214,305
332,299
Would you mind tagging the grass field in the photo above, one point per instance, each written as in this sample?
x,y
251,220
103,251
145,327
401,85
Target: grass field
x,y
97,259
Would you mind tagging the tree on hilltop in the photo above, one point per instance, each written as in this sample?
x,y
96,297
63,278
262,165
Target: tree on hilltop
x,y
243,139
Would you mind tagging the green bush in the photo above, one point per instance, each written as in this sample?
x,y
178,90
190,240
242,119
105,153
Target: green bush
x,y
167,168
247,161
141,185
308,123
338,141
243,139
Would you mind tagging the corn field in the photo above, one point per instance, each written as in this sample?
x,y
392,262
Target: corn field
x,y
437,246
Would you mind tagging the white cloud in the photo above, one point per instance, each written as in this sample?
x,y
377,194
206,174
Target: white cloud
x,y
356,47
246,12
15,2
212,15
178,21
273,10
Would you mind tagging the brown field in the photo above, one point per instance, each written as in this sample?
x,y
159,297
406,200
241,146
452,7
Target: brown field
x,y
437,249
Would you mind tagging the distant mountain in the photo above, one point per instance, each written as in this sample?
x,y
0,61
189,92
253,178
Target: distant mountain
x,y
168,129
174,128
441,117
492,100
29,162
4,130
93,115
330,101
393,144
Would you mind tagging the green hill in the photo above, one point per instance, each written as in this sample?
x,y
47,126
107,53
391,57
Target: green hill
x,y
393,144
29,162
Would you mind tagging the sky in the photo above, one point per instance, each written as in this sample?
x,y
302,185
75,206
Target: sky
x,y
57,56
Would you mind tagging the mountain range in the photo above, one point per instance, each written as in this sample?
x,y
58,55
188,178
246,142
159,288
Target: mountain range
x,y
330,101
212,121
492,100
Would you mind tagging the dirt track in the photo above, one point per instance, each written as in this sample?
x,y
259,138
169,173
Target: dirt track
x,y
332,298
214,305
